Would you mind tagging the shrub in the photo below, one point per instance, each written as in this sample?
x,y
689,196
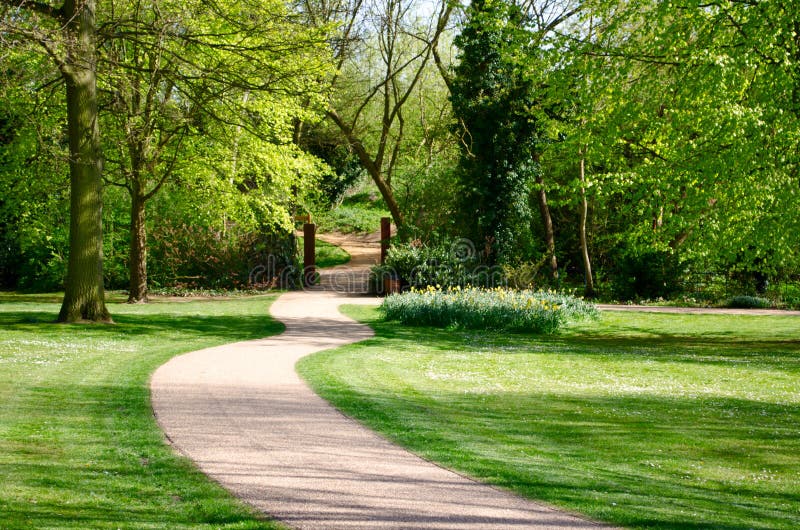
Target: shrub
x,y
448,263
790,295
648,274
749,302
199,257
494,309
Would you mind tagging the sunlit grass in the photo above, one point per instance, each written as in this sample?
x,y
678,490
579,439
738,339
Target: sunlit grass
x,y
642,420
79,447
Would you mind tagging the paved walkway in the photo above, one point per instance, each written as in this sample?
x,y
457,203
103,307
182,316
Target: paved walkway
x,y
242,414
351,278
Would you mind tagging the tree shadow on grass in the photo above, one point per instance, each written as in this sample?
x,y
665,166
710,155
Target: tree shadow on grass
x,y
223,327
636,461
87,455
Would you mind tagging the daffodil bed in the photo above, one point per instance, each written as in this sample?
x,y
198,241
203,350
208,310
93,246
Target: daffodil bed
x,y
476,308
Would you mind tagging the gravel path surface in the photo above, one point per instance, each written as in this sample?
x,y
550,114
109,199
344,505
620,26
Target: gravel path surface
x,y
243,415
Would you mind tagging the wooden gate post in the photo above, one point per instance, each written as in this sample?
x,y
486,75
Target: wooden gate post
x,y
386,236
309,254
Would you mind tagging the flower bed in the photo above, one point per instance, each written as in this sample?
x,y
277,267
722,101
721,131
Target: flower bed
x,y
498,309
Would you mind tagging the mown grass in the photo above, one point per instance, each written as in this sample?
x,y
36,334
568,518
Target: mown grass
x,y
79,447
641,420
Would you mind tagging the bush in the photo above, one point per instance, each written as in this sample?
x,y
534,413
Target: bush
x,y
648,275
494,309
790,295
448,263
199,257
749,302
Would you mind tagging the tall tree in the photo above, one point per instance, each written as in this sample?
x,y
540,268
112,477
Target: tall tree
x,y
221,73
69,35
496,104
382,49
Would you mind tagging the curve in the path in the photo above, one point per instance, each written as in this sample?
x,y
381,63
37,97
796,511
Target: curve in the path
x,y
242,414
351,278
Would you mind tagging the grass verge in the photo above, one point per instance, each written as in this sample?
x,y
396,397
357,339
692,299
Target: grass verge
x,y
641,420
79,447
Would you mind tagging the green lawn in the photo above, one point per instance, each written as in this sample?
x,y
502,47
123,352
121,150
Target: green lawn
x,y
79,447
642,420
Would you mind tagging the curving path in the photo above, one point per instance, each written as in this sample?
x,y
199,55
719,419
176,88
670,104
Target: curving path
x,y
242,414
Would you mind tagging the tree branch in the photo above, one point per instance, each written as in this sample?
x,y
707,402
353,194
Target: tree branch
x,y
37,7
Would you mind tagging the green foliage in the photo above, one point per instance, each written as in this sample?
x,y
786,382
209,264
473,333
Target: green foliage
x,y
360,213
495,309
447,263
195,100
647,274
198,256
345,167
788,295
428,201
496,103
34,206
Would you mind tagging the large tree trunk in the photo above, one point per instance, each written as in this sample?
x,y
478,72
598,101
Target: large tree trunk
x,y
549,233
137,268
587,263
84,297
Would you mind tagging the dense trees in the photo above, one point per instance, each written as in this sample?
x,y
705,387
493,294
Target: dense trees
x,y
168,72
623,144
383,49
225,73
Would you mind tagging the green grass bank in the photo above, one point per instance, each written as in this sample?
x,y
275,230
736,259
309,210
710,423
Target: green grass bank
x,y
79,447
641,420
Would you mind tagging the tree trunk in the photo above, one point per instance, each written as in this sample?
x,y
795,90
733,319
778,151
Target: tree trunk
x,y
84,296
547,221
137,291
587,263
372,168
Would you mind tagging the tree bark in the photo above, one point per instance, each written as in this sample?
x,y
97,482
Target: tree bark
x,y
137,268
84,296
372,168
547,221
587,263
